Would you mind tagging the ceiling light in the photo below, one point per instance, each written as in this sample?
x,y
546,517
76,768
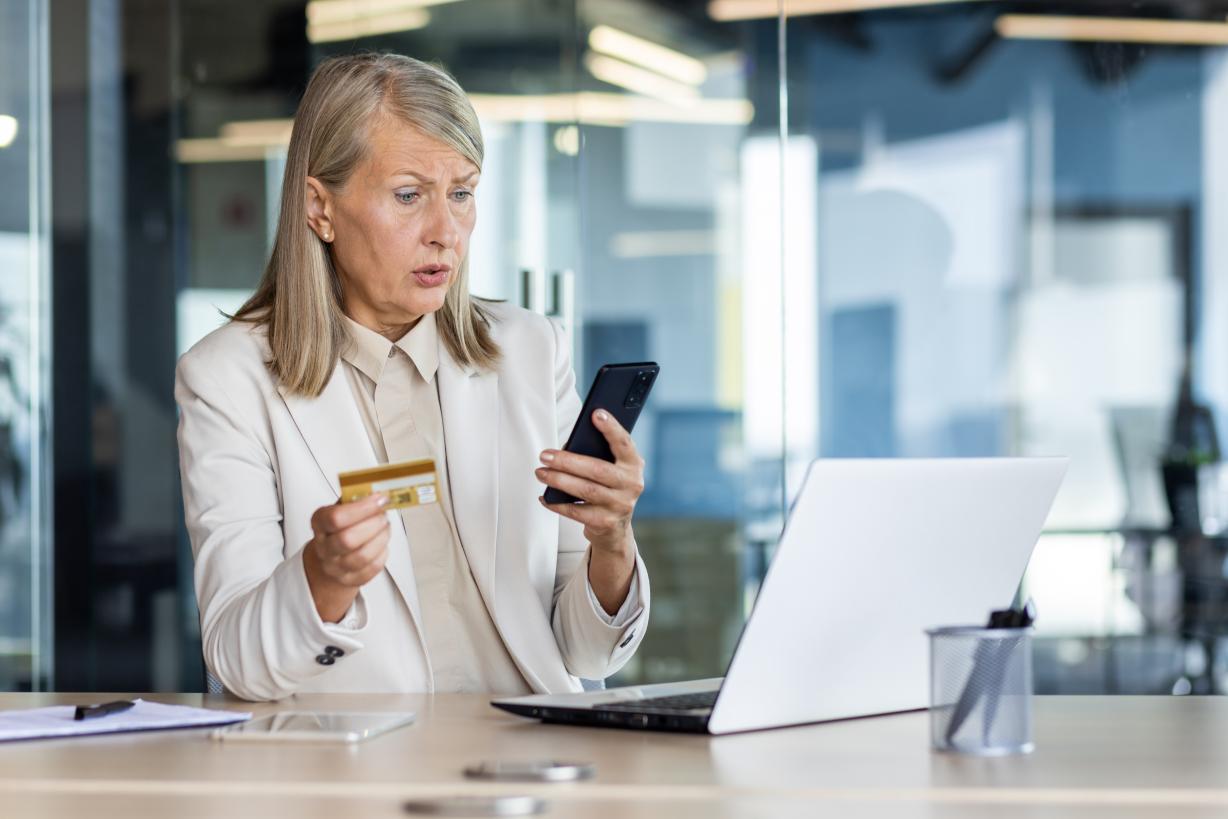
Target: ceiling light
x,y
726,10
331,20
336,11
367,26
567,140
212,149
602,108
639,80
1111,29
257,132
239,141
665,61
260,139
8,130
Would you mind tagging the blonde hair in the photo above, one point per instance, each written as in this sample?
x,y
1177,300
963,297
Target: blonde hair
x,y
299,300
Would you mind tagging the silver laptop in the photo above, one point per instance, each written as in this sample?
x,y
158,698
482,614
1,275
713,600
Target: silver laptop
x,y
874,552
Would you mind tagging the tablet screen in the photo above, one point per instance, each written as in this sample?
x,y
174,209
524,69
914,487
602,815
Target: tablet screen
x,y
316,726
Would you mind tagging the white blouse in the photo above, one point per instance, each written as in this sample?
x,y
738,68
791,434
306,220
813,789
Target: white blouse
x,y
396,392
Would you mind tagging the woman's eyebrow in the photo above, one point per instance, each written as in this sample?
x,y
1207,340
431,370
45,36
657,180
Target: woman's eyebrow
x,y
426,180
415,175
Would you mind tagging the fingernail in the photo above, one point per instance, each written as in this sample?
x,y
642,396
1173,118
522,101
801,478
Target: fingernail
x,y
381,500
548,456
602,415
540,472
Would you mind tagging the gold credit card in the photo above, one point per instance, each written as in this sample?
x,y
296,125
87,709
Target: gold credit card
x,y
406,484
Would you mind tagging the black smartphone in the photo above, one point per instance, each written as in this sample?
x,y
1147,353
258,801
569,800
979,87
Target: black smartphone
x,y
619,389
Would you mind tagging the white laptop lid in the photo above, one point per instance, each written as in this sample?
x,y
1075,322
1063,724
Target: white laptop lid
x,y
875,552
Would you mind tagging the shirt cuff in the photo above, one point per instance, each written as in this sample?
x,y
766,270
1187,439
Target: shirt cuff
x,y
354,621
630,609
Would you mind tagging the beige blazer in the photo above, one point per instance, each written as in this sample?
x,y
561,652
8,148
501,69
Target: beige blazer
x,y
256,462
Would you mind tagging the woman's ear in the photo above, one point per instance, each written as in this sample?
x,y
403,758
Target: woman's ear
x,y
319,208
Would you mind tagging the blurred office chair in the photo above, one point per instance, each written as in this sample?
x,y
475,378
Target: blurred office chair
x,y
1140,435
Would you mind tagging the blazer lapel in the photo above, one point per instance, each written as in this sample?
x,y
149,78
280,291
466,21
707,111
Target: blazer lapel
x,y
469,403
472,417
332,429
337,438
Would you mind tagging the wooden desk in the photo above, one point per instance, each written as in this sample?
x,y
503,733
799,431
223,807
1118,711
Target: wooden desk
x,y
1096,757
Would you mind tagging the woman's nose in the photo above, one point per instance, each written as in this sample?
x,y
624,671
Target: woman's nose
x,y
441,228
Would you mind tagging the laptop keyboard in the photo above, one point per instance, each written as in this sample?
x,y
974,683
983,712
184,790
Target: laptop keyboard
x,y
676,702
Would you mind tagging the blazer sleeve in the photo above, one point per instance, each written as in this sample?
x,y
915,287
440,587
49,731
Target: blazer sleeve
x,y
593,644
260,632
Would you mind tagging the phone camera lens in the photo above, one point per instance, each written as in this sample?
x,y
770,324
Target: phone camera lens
x,y
639,389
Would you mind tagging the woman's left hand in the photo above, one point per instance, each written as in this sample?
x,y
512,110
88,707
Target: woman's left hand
x,y
609,490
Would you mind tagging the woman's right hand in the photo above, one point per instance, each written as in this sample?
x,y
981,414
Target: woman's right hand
x,y
350,548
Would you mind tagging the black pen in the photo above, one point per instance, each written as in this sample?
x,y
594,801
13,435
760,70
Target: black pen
x,y
988,668
94,711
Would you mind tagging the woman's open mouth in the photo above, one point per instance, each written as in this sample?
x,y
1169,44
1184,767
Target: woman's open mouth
x,y
432,275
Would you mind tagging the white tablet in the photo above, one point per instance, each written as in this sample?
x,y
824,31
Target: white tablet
x,y
314,726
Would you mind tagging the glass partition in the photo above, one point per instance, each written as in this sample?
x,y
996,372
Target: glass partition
x,y
884,229
627,192
237,115
25,622
678,207
1014,227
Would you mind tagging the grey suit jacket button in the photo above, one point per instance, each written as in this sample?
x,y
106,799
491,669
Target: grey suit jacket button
x,y
333,651
324,659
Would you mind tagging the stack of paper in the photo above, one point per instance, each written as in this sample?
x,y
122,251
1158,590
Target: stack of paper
x,y
57,720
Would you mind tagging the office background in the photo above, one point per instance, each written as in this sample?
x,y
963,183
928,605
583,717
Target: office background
x,y
948,229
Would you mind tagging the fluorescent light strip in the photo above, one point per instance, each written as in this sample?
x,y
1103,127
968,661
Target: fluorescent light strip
x,y
257,132
339,11
728,10
602,108
639,80
664,61
320,12
331,20
368,26
190,151
8,130
1111,30
257,139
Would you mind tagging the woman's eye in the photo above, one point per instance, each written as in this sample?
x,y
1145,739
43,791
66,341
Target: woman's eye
x,y
407,197
461,196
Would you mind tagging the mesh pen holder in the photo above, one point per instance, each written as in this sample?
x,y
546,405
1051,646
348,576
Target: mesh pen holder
x,y
981,690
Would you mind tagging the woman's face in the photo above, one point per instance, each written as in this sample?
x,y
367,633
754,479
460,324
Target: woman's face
x,y
399,229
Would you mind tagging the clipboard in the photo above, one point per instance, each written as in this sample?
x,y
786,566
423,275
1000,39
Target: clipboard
x,y
57,721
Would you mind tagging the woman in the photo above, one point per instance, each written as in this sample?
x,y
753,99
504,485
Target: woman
x,y
362,346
